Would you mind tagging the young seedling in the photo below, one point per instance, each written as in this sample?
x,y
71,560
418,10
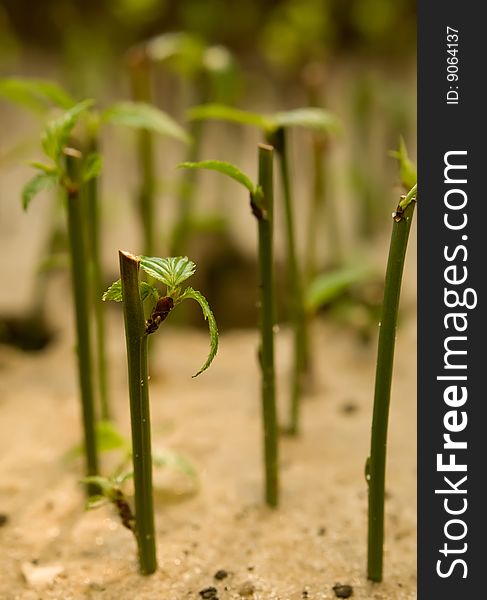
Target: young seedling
x,y
261,204
32,331
274,128
137,116
172,272
41,96
110,440
68,169
376,463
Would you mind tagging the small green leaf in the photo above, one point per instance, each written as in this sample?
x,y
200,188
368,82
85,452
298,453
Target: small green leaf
x,y
205,307
38,183
410,197
171,271
56,134
109,438
144,116
35,94
220,112
222,167
114,292
316,119
49,169
407,170
311,118
328,286
96,501
92,166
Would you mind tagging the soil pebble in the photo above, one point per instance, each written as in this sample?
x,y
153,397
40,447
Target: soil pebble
x,y
220,574
343,591
209,593
3,519
349,408
321,531
247,589
36,576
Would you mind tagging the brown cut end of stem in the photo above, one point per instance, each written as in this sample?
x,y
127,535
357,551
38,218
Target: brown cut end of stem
x,y
73,152
266,147
129,256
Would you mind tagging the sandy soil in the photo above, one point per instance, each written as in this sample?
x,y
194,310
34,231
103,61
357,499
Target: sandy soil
x,y
315,540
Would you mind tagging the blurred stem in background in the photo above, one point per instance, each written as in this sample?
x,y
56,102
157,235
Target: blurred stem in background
x,y
79,276
322,212
93,220
141,89
300,334
265,219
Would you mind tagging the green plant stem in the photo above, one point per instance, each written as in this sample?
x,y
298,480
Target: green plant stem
x,y
317,204
79,278
97,288
142,92
267,320
136,339
182,230
295,284
376,464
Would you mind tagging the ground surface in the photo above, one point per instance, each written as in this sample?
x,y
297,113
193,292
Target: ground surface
x,y
315,540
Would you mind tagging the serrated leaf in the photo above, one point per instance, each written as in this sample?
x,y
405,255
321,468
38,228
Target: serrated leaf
x,y
205,307
171,271
146,290
114,292
328,286
35,94
407,170
168,458
222,167
56,134
144,116
220,112
92,166
38,183
316,119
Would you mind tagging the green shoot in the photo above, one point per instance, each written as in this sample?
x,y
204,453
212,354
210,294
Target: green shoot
x,y
376,463
274,128
111,491
67,169
261,202
172,272
407,170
